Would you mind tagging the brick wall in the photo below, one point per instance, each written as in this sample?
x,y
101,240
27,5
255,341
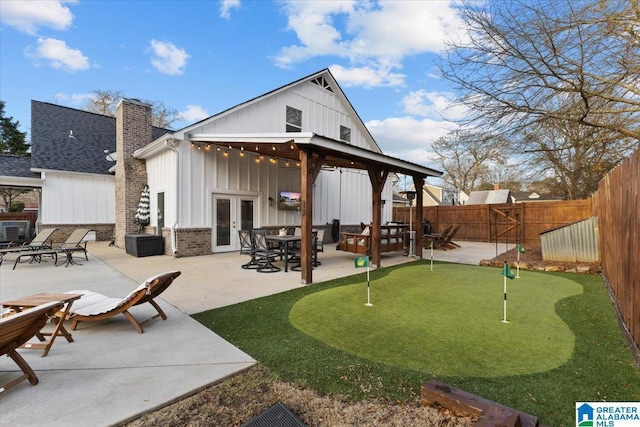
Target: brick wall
x,y
191,241
133,131
104,232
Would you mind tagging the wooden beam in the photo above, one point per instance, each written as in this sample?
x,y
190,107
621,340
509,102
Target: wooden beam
x,y
418,182
310,165
378,178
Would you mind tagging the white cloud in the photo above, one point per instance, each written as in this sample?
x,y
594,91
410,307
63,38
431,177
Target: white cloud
x,y
366,76
59,55
226,6
372,36
73,99
28,16
433,104
167,58
193,113
408,138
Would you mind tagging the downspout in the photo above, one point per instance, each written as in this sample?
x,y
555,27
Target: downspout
x,y
171,144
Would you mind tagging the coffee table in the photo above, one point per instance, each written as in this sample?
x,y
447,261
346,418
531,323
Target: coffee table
x,y
20,304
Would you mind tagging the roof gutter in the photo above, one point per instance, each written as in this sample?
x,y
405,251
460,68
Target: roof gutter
x,y
172,144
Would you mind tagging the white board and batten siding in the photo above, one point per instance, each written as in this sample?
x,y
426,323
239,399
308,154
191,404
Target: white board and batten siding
x,y
69,198
207,171
161,178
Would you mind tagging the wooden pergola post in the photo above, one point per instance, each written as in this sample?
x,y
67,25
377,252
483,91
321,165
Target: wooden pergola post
x,y
378,178
309,169
418,182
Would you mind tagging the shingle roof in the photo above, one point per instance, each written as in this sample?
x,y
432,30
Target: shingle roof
x,y
16,166
67,139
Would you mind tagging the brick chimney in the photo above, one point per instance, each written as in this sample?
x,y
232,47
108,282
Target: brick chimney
x,y
496,186
133,131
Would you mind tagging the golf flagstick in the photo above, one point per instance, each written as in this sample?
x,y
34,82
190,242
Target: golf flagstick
x,y
504,318
363,261
431,254
519,249
506,272
368,304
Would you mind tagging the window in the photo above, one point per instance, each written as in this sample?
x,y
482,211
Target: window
x,y
345,134
294,120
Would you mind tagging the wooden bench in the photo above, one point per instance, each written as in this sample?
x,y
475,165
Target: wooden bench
x,y
391,239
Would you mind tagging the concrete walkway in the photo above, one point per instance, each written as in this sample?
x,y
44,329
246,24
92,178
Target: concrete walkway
x,y
110,374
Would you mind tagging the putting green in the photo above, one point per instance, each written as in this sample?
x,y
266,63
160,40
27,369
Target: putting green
x,y
446,321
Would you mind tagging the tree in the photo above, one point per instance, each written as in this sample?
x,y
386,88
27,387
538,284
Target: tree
x,y
525,58
105,102
561,79
468,159
12,141
8,196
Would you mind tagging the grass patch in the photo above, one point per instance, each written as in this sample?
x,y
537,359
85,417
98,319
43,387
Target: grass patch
x,y
447,322
600,366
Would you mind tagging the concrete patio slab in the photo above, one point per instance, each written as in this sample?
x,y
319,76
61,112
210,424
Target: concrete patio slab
x,y
110,374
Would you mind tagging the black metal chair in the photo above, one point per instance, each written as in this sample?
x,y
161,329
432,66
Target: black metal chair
x,y
247,248
297,258
264,253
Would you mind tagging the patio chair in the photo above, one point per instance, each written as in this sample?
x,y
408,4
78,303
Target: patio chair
x,y
42,240
19,328
75,242
320,240
437,239
264,253
93,307
447,241
247,248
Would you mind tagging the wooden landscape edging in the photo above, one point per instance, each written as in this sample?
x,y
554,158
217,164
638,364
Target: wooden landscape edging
x,y
460,402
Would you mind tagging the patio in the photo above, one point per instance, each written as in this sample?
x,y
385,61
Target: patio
x,y
98,381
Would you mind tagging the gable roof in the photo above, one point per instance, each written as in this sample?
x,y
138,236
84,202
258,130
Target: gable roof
x,y
67,139
328,82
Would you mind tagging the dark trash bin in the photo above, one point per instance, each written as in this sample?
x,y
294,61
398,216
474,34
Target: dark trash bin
x,y
335,230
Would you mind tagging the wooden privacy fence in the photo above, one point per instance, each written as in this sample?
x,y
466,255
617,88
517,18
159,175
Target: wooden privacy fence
x,y
617,205
505,222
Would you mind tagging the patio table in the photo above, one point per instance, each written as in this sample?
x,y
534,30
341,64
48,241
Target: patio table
x,y
286,241
38,299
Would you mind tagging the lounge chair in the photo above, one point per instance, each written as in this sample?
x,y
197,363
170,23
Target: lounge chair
x,y
437,239
41,241
93,307
19,328
75,242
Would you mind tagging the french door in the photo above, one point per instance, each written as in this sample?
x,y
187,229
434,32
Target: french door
x,y
231,212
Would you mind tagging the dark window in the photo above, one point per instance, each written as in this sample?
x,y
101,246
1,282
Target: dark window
x,y
294,120
345,134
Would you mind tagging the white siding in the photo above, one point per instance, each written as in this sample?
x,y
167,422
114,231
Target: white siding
x,y
208,170
322,113
78,199
161,178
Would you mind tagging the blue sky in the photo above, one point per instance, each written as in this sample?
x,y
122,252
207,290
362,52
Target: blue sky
x,y
202,57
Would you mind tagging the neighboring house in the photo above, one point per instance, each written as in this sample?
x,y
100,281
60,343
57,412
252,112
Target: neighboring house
x,y
489,197
219,175
434,195
531,196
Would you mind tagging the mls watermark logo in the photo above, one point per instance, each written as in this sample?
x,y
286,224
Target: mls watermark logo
x,y
607,414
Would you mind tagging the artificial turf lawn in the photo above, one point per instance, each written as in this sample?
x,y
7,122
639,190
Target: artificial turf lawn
x,y
600,368
446,321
